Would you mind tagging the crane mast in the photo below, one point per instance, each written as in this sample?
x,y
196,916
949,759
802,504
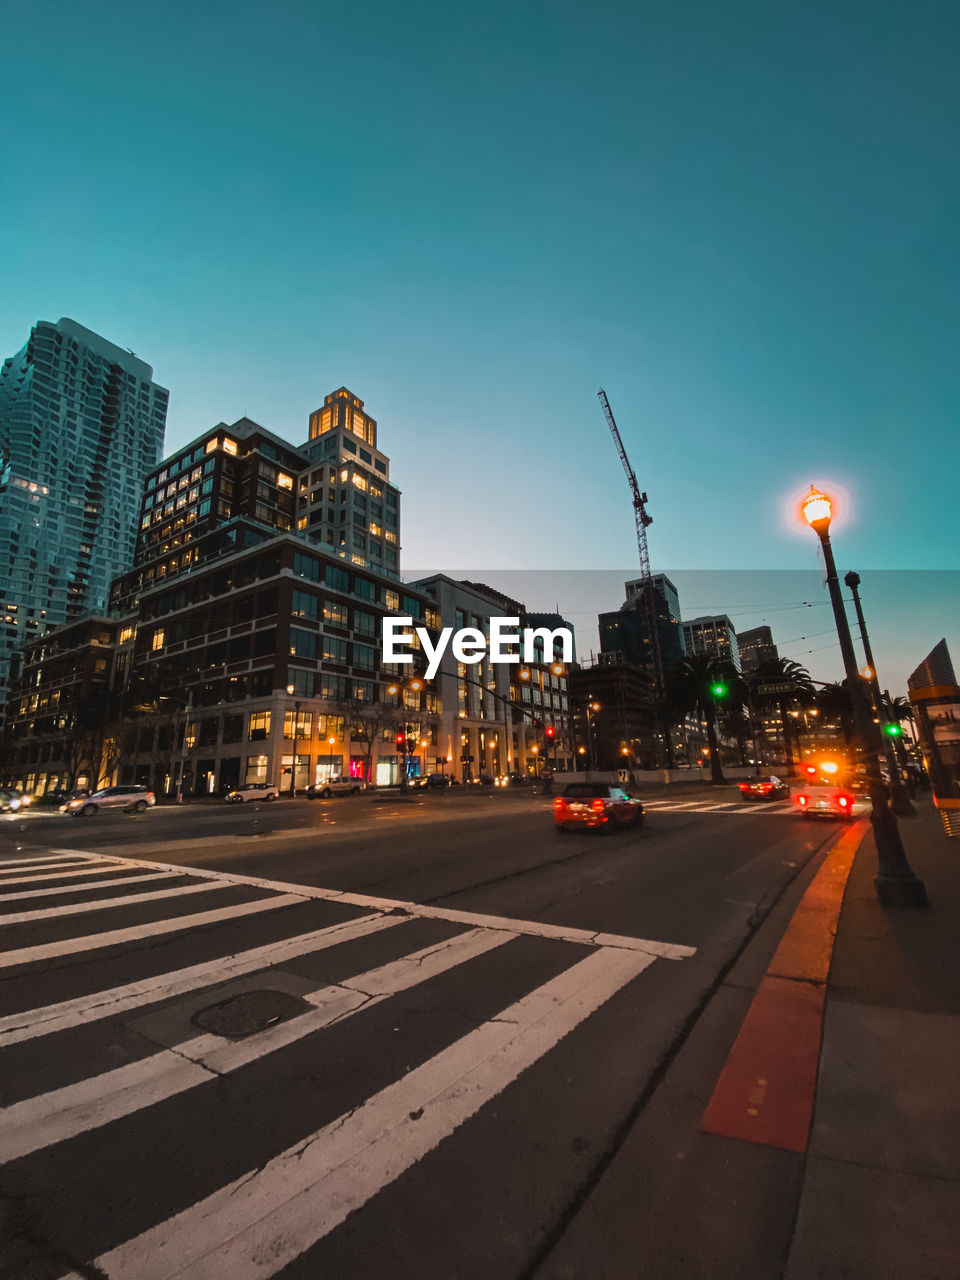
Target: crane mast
x,y
642,519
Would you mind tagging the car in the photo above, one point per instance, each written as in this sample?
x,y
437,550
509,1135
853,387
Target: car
x,y
134,799
769,787
9,800
826,798
431,782
251,791
595,804
335,787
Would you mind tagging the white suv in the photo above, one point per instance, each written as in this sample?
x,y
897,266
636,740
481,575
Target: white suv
x,y
252,791
336,787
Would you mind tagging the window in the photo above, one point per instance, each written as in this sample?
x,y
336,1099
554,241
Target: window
x,y
303,726
229,446
334,650
307,567
232,728
364,657
259,726
330,727
305,605
338,579
365,623
157,642
334,614
333,688
284,481
364,691
365,589
303,682
303,644
392,600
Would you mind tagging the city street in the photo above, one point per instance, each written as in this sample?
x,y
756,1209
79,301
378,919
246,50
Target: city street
x,y
358,1037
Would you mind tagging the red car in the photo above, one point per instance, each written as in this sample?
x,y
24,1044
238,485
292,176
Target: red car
x,y
769,788
595,804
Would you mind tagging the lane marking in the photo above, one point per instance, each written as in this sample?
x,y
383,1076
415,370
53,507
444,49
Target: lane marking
x,y
93,869
260,1223
16,1027
83,888
766,1091
105,904
47,858
92,942
49,1118
668,950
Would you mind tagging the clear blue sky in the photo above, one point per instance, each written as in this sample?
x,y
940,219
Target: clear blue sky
x,y
739,218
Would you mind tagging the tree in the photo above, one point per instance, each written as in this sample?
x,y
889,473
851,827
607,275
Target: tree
x,y
835,704
784,671
689,687
367,722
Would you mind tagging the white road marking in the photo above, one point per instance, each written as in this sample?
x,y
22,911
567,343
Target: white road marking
x,y
105,904
53,1117
91,942
85,887
670,951
62,856
16,1027
94,869
258,1224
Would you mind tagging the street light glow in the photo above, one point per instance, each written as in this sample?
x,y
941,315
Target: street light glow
x,y
817,509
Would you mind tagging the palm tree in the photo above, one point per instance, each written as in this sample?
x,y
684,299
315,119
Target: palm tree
x,y
690,686
835,704
785,671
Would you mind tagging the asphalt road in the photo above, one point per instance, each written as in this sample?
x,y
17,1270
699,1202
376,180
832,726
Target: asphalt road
x,y
434,1094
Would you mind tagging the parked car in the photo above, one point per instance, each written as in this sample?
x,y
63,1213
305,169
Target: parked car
x,y
431,782
826,798
595,804
9,801
251,791
766,788
335,787
127,799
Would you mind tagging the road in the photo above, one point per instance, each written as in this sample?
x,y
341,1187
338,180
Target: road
x,y
350,1038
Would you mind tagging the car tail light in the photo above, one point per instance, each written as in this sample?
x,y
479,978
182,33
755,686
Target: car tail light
x,y
801,800
559,803
744,786
845,801
766,786
597,806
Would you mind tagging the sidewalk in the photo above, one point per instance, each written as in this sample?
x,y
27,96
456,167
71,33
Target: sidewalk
x,y
867,1190
881,1187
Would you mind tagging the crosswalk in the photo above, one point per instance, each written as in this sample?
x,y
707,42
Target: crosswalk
x,y
727,806
259,1059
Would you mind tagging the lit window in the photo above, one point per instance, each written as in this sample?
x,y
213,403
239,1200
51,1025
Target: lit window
x,y
157,642
229,446
126,633
360,481
284,481
211,444
344,474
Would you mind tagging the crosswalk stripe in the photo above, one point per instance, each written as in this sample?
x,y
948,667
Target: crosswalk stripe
x,y
53,1117
42,858
93,869
16,1027
123,881
259,1223
153,928
104,904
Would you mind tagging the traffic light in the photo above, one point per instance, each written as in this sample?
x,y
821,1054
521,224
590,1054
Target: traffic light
x,y
401,742
892,730
550,733
719,690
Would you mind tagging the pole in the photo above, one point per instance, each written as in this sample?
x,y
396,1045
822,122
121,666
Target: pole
x,y
293,762
895,884
900,800
183,745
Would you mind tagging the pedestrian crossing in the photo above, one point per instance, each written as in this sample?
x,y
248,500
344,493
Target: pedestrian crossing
x,y
727,806
266,1058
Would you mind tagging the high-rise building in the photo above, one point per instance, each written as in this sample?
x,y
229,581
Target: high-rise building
x,y
756,647
713,634
625,634
81,425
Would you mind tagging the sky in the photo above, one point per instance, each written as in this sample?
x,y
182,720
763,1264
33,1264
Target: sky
x,y
739,219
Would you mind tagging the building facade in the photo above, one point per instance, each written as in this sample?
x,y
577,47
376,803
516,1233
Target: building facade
x,y
712,634
756,647
625,633
81,425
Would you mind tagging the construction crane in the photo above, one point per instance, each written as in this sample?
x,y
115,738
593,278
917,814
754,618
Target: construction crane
x,y
648,592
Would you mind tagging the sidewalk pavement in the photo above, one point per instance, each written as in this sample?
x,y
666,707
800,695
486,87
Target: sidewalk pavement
x,y
881,1187
869,1189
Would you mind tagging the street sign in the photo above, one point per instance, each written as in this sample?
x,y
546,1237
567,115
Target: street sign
x,y
782,686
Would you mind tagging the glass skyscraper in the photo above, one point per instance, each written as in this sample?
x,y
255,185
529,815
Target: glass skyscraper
x,y
81,425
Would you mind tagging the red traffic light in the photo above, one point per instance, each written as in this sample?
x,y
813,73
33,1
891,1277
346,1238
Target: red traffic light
x,y
401,739
550,732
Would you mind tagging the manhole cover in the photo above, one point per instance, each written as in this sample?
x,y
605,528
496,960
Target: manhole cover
x,y
249,1012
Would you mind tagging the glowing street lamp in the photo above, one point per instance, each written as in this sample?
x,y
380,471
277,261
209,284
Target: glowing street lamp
x,y
895,883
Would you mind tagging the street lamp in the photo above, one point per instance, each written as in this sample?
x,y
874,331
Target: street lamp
x,y
901,801
896,885
293,763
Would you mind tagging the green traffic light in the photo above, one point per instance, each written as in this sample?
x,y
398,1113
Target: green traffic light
x,y
893,730
719,690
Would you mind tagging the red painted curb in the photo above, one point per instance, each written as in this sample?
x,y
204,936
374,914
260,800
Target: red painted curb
x,y
766,1090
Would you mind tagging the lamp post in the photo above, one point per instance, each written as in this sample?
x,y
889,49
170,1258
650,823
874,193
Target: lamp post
x,y
591,707
896,885
900,800
293,761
